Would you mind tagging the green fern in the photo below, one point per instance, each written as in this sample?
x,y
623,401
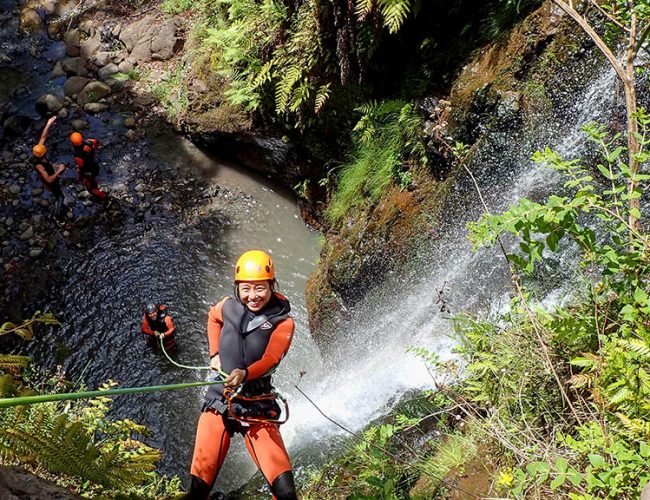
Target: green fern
x,y
284,86
12,361
638,346
394,13
322,95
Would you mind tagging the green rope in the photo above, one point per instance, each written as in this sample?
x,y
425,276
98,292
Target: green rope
x,y
47,398
188,367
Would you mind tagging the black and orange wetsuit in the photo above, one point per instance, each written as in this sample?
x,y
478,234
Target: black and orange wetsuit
x,y
256,343
87,167
54,187
162,324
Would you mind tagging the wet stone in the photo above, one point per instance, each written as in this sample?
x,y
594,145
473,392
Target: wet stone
x,y
129,122
35,252
9,222
14,189
79,124
66,233
37,218
15,203
37,191
27,233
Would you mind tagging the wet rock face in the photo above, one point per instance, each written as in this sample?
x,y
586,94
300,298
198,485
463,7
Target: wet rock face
x,y
267,155
17,484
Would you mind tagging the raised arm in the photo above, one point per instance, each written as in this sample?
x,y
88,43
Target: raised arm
x,y
46,130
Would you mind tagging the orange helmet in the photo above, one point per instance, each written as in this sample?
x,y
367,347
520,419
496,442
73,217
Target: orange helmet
x,y
254,265
39,150
76,139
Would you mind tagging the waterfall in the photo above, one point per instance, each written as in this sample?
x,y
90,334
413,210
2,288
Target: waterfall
x,y
369,367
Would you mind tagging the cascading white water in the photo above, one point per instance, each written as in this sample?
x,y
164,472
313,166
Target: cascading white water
x,y
369,366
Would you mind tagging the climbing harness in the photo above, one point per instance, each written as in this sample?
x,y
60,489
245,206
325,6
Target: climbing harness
x,y
263,408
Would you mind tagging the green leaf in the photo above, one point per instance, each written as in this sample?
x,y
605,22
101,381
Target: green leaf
x,y
558,481
635,212
597,461
561,465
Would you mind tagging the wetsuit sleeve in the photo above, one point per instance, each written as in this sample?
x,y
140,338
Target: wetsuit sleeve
x,y
215,323
145,326
278,346
94,143
169,323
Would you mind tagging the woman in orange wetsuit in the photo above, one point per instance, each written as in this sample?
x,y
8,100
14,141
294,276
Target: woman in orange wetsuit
x,y
158,323
248,335
87,167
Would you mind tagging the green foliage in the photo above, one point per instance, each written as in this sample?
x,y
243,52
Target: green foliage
x,y
388,135
175,7
599,346
77,442
171,92
393,12
26,328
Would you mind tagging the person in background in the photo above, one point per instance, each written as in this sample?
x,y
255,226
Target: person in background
x,y
48,173
248,336
87,167
156,324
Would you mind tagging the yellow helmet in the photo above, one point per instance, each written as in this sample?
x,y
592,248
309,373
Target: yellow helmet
x,y
39,150
254,265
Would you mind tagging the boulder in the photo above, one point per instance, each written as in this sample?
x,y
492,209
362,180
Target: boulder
x,y
58,70
133,33
74,85
93,92
165,42
87,27
27,233
79,124
16,125
17,483
48,104
30,21
125,67
95,107
76,66
102,58
72,40
90,46
108,70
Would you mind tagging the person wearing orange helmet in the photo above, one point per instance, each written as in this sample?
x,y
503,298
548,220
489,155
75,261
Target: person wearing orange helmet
x,y
248,335
87,167
48,173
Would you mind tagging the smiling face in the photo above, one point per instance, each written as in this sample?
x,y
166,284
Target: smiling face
x,y
255,294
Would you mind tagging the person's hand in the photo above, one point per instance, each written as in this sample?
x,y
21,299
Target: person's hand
x,y
61,168
215,363
51,121
161,335
235,378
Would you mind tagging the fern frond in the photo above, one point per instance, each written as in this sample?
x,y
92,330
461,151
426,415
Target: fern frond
x,y
636,426
638,346
284,86
362,8
14,361
300,95
322,95
264,75
7,386
394,13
